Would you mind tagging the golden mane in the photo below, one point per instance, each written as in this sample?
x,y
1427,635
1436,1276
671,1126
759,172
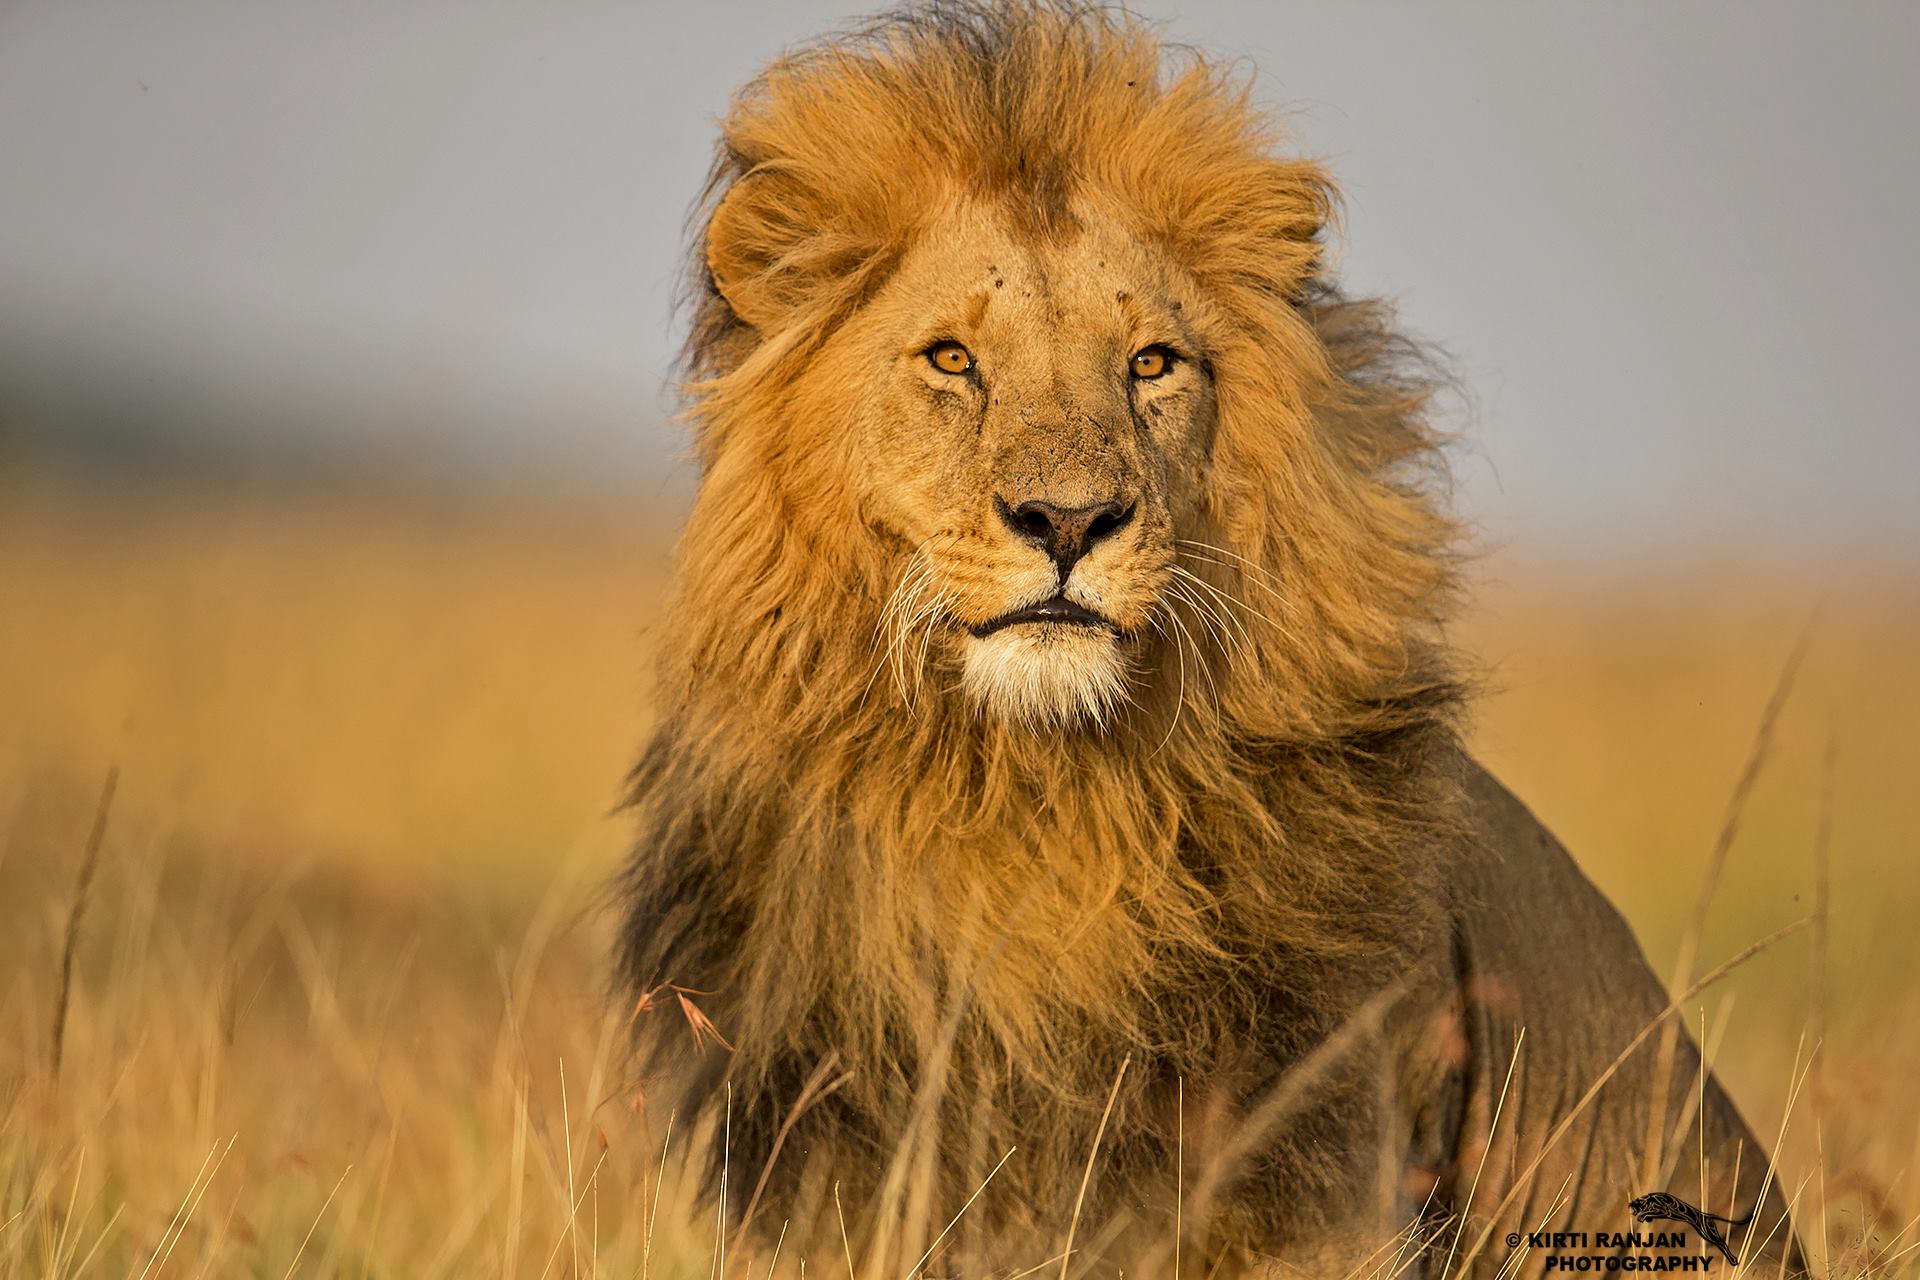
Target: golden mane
x,y
884,878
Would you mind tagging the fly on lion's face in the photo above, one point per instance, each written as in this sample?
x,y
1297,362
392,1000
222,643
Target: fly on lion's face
x,y
1038,444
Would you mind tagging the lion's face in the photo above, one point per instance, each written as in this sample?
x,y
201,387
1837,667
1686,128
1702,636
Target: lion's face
x,y
1037,376
1033,441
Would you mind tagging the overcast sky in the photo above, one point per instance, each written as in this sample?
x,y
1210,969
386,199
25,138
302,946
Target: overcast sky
x,y
1671,246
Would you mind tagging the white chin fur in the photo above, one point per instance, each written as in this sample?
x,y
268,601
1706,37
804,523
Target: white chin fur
x,y
1045,675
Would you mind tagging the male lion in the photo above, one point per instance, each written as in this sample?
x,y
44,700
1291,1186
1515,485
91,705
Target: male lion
x,y
1057,750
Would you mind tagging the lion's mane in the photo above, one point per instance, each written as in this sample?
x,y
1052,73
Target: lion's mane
x,y
906,889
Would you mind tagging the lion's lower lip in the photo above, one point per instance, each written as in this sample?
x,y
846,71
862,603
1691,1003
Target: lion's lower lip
x,y
1059,611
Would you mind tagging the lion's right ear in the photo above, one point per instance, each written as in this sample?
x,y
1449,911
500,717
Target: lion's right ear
x,y
748,242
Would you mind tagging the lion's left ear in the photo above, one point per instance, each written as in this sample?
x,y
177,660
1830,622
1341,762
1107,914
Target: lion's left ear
x,y
1261,224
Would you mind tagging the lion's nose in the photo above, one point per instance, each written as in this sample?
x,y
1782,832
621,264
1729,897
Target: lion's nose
x,y
1064,533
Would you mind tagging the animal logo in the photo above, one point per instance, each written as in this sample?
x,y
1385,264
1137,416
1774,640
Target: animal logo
x,y
1658,1206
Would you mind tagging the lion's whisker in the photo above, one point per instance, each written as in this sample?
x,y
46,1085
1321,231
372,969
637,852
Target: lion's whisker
x,y
1263,577
1254,565
1227,619
1210,618
890,655
1202,608
883,635
1284,601
1229,598
898,620
925,623
1180,694
1199,658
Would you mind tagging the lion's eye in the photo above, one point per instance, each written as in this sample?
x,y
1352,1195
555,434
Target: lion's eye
x,y
949,357
1151,362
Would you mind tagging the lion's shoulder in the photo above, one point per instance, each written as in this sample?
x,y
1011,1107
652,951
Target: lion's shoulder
x,y
1525,913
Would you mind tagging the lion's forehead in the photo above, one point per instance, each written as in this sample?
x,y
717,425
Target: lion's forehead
x,y
1098,283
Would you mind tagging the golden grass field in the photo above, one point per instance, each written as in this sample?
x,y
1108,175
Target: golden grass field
x,y
336,1004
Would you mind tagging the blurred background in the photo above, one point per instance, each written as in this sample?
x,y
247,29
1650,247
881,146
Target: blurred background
x,y
338,479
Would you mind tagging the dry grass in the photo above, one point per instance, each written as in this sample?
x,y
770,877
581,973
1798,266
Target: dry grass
x,y
336,1003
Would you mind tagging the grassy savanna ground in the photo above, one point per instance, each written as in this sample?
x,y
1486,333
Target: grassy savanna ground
x,y
336,1002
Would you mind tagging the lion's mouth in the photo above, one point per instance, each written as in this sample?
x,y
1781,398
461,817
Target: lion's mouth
x,y
1059,611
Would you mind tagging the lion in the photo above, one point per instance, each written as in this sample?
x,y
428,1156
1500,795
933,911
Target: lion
x,y
1057,802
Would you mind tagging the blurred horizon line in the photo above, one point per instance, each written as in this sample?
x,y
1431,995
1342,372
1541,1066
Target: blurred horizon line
x,y
653,488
